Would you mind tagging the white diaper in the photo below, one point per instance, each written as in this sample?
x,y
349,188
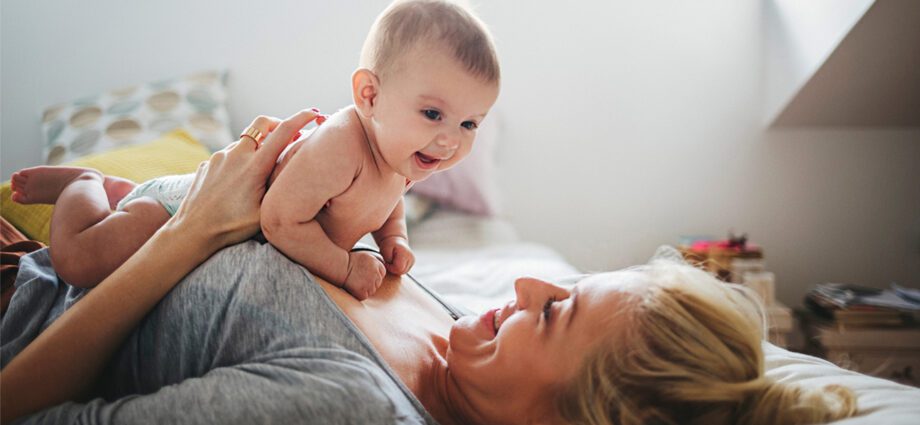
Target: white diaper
x,y
169,191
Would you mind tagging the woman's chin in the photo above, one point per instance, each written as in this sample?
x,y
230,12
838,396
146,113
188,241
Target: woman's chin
x,y
468,334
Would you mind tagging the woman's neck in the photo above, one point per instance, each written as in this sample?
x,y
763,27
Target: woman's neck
x,y
438,392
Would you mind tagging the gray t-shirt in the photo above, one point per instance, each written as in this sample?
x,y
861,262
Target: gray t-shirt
x,y
248,337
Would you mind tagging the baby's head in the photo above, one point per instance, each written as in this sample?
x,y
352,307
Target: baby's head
x,y
427,78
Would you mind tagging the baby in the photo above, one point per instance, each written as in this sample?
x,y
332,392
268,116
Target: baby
x,y
427,78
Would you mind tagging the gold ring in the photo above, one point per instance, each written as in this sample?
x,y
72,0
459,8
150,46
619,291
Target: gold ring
x,y
252,133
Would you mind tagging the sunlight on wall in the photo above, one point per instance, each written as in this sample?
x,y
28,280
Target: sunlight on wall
x,y
800,35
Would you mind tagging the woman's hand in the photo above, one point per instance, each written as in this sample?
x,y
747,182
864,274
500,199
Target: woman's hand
x,y
222,205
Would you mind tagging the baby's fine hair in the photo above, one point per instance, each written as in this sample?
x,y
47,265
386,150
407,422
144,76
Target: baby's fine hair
x,y
449,25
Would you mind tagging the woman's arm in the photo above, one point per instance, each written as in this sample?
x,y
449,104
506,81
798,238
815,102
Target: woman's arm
x,y
67,357
222,208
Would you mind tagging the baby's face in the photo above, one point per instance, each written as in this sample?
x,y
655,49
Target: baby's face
x,y
427,112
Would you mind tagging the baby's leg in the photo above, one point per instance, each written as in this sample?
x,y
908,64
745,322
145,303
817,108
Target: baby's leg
x,y
85,253
88,240
43,185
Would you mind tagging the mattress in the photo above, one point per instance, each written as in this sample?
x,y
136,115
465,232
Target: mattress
x,y
473,262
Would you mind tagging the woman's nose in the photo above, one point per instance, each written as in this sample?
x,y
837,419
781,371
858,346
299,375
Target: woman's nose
x,y
531,290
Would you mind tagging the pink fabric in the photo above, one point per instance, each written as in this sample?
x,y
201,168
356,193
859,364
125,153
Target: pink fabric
x,y
469,186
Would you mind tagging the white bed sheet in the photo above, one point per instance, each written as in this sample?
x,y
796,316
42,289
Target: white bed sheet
x,y
474,261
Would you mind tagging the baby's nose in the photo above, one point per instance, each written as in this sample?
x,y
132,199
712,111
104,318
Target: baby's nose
x,y
449,141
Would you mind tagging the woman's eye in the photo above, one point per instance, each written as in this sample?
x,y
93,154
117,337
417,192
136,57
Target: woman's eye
x,y
432,114
469,125
547,308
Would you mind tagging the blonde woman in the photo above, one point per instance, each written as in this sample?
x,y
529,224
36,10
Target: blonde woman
x,y
250,337
686,348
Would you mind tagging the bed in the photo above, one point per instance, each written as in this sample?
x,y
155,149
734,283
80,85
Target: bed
x,y
473,262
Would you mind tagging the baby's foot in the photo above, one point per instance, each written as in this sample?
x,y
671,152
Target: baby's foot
x,y
43,185
116,188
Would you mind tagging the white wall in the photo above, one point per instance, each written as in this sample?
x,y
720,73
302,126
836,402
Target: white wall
x,y
627,123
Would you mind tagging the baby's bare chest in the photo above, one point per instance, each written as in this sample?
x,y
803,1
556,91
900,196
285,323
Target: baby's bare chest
x,y
364,207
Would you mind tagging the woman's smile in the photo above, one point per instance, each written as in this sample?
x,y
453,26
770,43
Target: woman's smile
x,y
489,322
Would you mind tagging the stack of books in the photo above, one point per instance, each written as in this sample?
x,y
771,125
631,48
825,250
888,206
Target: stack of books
x,y
854,305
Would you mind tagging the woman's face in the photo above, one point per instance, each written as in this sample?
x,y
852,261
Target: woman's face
x,y
508,362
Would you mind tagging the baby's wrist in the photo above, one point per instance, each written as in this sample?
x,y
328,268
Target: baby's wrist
x,y
349,266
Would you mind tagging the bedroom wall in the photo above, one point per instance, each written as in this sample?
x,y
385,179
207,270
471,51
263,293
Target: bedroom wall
x,y
626,124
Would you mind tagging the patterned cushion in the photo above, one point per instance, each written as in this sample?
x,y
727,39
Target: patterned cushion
x,y
138,114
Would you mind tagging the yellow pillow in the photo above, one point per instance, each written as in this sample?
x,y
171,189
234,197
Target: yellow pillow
x,y
173,153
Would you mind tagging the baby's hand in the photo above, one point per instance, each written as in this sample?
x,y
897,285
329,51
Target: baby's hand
x,y
365,274
396,255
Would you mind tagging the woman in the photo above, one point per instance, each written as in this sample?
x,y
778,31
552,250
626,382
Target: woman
x,y
250,337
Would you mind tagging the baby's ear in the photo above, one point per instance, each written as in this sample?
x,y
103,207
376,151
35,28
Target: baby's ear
x,y
364,89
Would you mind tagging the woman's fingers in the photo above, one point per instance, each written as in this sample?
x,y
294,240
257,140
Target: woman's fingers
x,y
265,124
250,142
283,134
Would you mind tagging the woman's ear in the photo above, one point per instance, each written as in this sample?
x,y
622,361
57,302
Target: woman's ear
x,y
364,89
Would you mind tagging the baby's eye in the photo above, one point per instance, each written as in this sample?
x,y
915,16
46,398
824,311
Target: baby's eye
x,y
432,114
469,125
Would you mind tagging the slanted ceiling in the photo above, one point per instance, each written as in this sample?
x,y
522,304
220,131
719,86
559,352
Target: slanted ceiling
x,y
872,78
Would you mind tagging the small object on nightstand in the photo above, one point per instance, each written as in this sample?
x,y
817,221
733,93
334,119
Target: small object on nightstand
x,y
720,256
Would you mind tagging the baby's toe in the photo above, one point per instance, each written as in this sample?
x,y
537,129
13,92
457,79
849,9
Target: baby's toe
x,y
18,197
17,179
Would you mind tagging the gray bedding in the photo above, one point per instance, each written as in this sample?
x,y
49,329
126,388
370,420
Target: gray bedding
x,y
248,337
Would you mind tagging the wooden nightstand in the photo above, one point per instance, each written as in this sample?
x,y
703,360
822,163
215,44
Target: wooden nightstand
x,y
886,352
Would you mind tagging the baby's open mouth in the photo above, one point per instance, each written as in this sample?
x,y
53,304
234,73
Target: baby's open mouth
x,y
426,161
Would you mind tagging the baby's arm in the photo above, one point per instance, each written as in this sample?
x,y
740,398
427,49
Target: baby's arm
x,y
318,172
394,243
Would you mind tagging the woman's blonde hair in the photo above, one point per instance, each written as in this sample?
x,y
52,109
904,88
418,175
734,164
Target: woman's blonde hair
x,y
691,354
450,25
